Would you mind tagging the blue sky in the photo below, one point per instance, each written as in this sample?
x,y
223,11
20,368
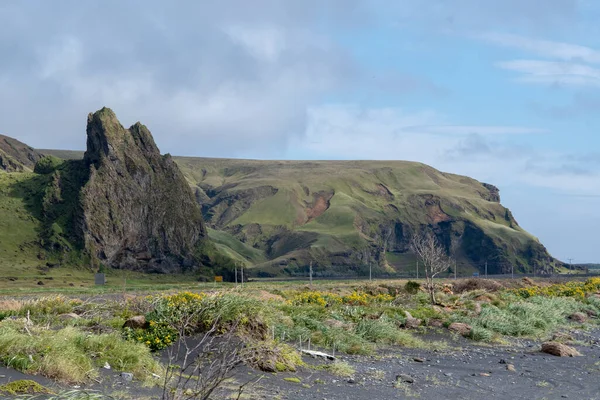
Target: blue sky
x,y
505,91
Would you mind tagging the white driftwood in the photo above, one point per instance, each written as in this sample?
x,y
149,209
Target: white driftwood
x,y
316,354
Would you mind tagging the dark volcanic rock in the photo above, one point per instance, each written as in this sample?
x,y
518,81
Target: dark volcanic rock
x,y
138,210
494,193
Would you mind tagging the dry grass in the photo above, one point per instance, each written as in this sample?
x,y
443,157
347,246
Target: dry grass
x,y
11,305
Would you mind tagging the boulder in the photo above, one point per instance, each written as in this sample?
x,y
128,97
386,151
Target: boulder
x,y
460,328
137,322
435,323
578,317
559,350
412,323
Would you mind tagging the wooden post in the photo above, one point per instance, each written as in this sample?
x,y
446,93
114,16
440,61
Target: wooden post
x,y
417,269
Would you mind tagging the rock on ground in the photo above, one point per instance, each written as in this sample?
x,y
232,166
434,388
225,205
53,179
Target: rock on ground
x,y
578,317
460,328
137,322
559,349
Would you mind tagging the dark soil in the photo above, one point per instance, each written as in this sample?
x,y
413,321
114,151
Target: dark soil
x,y
465,370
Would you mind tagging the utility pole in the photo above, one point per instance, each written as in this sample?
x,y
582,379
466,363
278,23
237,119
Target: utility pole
x,y
512,271
242,273
454,269
417,269
310,273
570,265
370,271
486,270
236,275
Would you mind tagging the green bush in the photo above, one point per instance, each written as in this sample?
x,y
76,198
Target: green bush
x,y
412,287
47,164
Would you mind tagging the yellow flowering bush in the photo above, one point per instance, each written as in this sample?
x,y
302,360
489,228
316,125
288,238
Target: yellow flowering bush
x,y
568,289
312,297
362,298
167,316
157,336
322,298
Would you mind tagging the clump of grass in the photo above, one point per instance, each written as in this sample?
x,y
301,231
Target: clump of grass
x,y
78,395
23,386
70,355
534,317
481,334
341,369
271,356
385,331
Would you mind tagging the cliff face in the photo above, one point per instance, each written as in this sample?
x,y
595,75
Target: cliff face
x,y
138,212
16,156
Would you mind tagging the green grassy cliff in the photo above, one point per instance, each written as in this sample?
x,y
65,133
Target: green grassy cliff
x,y
345,215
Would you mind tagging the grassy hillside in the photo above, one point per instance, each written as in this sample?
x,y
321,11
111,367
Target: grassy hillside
x,y
332,211
278,216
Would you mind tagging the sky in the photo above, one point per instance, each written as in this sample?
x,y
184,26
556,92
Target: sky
x,y
504,91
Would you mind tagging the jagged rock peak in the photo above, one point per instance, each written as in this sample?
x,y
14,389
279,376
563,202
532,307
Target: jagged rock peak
x,y
139,211
106,137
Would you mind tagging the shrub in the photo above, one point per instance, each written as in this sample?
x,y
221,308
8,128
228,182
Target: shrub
x,y
157,336
47,164
568,289
412,287
467,285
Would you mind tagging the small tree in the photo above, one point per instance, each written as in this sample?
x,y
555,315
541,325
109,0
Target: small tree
x,y
433,257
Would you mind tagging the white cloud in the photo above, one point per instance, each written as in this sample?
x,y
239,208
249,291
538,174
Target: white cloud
x,y
475,129
262,42
555,73
545,48
347,131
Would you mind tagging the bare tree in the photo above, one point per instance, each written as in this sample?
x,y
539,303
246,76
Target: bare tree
x,y
433,257
198,365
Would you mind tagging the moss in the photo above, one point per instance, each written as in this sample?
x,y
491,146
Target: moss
x,y
293,379
23,386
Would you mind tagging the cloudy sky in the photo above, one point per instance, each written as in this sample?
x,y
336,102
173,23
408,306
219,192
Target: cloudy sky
x,y
506,91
